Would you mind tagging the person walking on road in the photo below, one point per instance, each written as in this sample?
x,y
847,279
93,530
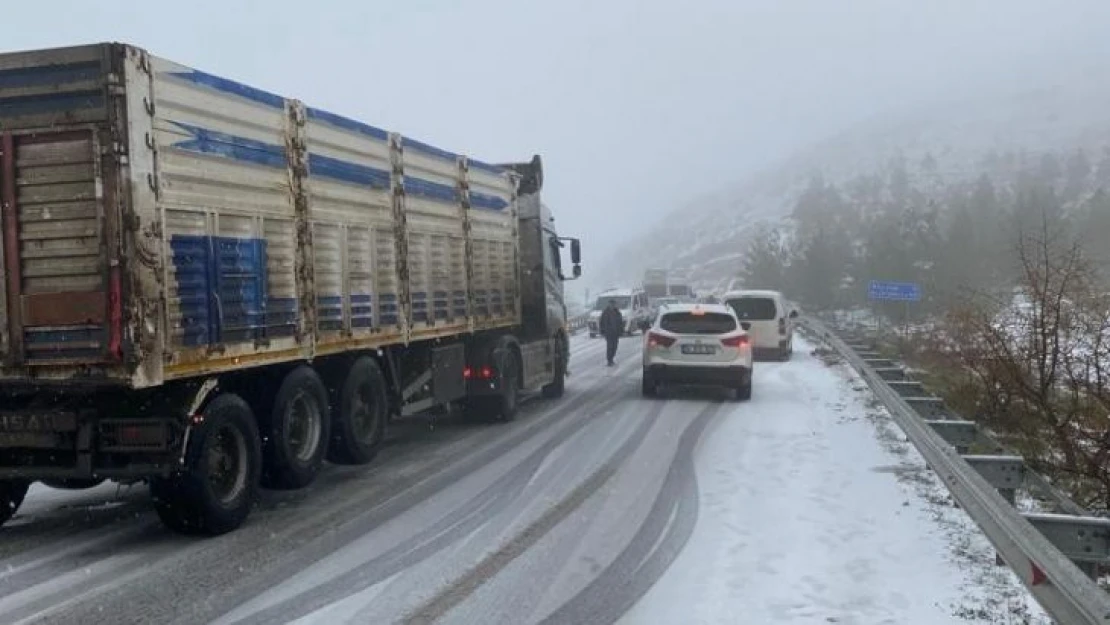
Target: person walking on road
x,y
611,326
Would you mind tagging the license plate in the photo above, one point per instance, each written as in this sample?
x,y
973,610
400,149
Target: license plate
x,y
15,423
700,350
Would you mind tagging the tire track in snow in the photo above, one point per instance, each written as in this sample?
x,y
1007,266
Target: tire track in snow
x,y
492,564
454,527
221,573
660,539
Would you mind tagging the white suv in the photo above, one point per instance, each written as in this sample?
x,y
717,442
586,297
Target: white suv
x,y
698,344
770,319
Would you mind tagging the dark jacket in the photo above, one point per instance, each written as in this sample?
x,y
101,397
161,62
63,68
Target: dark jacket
x,y
611,323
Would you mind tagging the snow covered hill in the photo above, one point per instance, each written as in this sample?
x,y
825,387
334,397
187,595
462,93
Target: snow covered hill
x,y
707,237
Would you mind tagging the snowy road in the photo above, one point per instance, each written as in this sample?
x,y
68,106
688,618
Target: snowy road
x,y
800,506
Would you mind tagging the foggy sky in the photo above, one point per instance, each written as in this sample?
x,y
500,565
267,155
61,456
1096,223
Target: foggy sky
x,y
636,105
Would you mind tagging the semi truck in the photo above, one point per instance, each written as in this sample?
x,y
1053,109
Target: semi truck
x,y
212,288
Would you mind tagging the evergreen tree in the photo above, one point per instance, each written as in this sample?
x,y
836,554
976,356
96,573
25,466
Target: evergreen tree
x,y
765,261
821,265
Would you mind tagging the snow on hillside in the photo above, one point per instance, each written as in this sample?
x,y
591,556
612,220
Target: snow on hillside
x,y
706,237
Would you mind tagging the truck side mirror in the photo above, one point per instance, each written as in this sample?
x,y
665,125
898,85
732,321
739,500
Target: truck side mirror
x,y
575,252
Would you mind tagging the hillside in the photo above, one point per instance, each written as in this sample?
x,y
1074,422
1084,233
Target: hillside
x,y
944,144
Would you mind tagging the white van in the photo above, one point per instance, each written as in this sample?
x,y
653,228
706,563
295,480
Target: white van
x,y
633,304
769,320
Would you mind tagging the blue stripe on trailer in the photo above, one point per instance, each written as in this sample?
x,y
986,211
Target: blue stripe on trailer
x,y
362,310
430,150
487,202
431,190
223,291
51,103
43,75
346,123
231,87
486,167
346,171
214,142
242,149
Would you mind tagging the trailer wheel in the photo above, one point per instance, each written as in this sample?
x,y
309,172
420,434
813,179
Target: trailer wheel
x,y
297,432
558,385
215,493
12,493
358,425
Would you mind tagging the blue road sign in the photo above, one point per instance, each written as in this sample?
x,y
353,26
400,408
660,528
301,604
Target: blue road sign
x,y
894,291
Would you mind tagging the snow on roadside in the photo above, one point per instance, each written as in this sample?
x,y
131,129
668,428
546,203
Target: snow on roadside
x,y
815,509
992,594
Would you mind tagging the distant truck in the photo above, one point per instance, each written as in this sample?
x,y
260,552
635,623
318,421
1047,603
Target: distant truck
x,y
211,287
680,290
655,284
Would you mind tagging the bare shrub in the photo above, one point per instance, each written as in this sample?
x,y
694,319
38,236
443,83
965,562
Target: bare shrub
x,y
1037,357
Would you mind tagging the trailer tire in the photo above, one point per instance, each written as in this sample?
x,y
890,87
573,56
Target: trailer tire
x,y
12,493
199,502
557,387
297,431
358,423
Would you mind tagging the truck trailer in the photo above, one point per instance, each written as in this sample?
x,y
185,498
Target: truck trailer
x,y
212,288
655,283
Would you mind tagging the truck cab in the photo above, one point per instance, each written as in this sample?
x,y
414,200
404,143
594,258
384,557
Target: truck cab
x,y
542,266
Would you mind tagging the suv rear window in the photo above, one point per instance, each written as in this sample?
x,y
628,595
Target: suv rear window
x,y
687,323
754,308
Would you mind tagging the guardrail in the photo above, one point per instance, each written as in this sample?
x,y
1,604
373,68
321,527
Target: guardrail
x,y
1055,555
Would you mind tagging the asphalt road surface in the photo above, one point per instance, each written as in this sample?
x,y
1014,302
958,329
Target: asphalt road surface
x,y
570,514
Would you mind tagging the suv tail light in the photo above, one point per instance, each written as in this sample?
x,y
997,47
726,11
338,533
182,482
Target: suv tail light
x,y
658,340
782,325
735,341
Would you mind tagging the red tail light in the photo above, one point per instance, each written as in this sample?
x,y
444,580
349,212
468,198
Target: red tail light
x,y
484,373
735,341
658,340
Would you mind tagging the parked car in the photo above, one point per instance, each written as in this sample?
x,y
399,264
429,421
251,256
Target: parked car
x,y
771,319
633,304
698,345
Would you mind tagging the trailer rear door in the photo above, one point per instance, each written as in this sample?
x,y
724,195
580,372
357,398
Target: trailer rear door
x,y
61,296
